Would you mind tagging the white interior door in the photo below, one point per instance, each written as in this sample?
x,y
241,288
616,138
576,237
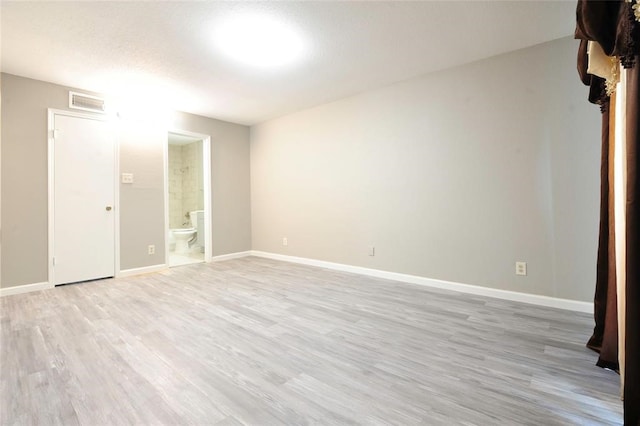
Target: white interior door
x,y
83,199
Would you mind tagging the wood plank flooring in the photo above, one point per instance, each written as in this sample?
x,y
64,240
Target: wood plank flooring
x,y
261,342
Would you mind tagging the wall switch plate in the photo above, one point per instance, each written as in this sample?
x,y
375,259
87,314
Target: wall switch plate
x,y
521,268
285,241
127,178
372,251
152,249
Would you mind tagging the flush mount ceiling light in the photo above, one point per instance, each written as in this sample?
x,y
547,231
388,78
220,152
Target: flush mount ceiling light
x,y
259,41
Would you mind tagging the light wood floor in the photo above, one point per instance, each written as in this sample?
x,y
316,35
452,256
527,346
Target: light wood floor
x,y
261,342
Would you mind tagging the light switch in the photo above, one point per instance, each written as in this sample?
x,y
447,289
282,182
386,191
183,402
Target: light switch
x,y
127,178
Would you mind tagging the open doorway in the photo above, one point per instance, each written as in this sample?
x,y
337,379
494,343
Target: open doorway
x,y
188,206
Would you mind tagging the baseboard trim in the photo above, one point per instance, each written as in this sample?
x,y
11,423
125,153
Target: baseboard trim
x,y
26,288
230,256
139,271
534,299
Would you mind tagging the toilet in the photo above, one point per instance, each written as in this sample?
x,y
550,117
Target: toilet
x,y
197,221
183,237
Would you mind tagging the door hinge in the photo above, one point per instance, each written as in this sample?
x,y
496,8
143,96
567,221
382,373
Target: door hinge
x,y
55,133
53,261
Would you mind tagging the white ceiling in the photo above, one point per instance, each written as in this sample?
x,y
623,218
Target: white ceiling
x,y
164,51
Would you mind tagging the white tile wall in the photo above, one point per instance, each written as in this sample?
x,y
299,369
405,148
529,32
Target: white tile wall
x,y
186,185
175,187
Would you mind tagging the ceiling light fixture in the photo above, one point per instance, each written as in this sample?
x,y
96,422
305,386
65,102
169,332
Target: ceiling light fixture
x,y
259,41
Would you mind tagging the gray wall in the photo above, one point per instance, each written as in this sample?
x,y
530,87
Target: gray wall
x,y
24,177
24,183
455,176
142,216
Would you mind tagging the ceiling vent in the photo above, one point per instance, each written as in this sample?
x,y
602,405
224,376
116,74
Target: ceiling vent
x,y
86,102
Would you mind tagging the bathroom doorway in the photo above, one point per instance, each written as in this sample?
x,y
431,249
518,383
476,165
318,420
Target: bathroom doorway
x,y
188,195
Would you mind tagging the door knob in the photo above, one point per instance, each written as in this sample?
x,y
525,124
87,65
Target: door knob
x,y
108,208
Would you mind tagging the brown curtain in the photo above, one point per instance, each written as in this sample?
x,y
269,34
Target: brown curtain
x,y
632,335
613,25
605,333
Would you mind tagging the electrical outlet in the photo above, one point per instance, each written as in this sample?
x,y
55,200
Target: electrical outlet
x,y
285,241
521,268
372,251
152,249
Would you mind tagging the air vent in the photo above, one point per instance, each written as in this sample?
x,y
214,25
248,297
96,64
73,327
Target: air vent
x,y
86,102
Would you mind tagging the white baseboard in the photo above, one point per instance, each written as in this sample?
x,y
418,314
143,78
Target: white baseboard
x,y
143,270
26,288
534,299
230,256
553,302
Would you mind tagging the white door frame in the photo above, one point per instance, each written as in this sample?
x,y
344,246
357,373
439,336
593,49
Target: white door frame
x,y
206,176
51,113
